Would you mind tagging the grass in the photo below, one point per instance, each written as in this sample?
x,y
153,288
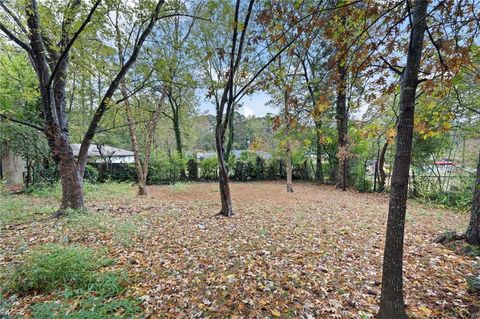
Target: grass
x,y
51,266
16,209
93,192
73,274
180,187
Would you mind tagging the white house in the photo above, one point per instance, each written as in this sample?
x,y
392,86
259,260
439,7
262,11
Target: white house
x,y
101,153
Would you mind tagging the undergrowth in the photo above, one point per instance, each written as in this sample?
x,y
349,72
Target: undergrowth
x,y
77,278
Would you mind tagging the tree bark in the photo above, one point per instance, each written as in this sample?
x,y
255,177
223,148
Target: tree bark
x,y
319,169
473,231
142,180
72,182
289,167
231,136
223,179
342,128
288,150
178,133
392,304
381,169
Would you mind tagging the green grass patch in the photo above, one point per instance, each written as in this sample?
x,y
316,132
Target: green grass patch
x,y
97,191
18,209
51,266
75,277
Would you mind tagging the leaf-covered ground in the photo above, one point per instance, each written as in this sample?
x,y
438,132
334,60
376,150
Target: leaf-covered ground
x,y
315,253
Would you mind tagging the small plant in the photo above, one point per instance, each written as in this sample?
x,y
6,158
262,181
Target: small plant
x,y
473,284
52,266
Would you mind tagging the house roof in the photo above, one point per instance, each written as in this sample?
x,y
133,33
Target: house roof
x,y
101,150
236,153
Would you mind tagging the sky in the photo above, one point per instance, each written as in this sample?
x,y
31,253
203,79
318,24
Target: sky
x,y
254,104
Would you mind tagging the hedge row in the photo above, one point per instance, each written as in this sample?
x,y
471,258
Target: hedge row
x,y
173,169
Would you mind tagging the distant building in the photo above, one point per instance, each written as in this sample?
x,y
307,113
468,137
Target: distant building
x,y
236,153
101,153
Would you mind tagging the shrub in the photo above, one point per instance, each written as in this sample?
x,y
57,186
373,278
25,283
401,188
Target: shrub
x,y
273,170
51,266
163,169
259,168
91,174
209,168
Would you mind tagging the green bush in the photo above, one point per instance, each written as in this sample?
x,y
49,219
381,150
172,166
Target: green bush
x,y
51,266
248,167
91,174
259,168
452,199
165,169
273,169
209,168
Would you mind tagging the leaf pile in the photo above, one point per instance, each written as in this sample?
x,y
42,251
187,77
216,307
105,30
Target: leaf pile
x,y
315,253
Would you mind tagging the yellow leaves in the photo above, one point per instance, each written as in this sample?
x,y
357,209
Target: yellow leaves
x,y
391,134
425,310
322,105
275,313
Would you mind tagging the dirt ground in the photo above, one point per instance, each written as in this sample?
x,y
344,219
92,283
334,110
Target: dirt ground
x,y
315,253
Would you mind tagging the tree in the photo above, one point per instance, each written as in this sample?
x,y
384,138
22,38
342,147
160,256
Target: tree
x,y
392,303
50,60
473,231
172,52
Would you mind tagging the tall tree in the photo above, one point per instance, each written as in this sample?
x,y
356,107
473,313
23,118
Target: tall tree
x,y
392,304
50,60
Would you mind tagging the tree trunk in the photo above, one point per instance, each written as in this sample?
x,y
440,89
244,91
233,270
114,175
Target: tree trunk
x,y
141,177
319,170
381,170
289,167
288,159
392,304
342,127
178,133
223,180
473,231
70,178
231,136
